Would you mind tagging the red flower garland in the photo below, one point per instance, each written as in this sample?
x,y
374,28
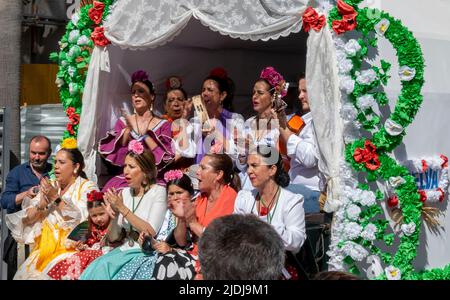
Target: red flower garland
x,y
94,196
74,119
96,12
348,21
312,20
99,38
367,155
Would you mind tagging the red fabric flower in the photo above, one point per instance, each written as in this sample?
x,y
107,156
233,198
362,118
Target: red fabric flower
x,y
367,155
445,159
94,196
392,201
423,196
348,21
98,36
219,72
74,119
96,12
312,20
70,111
70,128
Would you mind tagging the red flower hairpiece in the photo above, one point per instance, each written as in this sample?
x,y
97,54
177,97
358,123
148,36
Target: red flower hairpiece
x,y
275,80
173,82
219,72
94,196
140,76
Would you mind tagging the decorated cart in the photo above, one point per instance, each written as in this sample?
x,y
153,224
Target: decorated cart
x,y
365,72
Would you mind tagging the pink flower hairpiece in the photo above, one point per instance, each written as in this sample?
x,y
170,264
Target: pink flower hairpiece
x,y
136,147
140,76
172,175
275,80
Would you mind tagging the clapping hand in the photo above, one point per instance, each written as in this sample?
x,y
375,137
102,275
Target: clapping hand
x,y
128,118
114,199
48,190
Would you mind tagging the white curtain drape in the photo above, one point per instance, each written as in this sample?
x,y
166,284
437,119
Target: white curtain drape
x,y
324,95
137,24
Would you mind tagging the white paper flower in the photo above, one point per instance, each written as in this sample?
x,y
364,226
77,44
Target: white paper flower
x,y
393,128
366,102
74,35
408,229
75,18
73,88
355,251
74,51
366,77
352,47
382,26
352,230
83,40
340,56
347,84
64,63
397,181
368,198
59,82
62,46
72,70
369,232
348,112
353,212
339,43
406,73
393,273
345,66
336,262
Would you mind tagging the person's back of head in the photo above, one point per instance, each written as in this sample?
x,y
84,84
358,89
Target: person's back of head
x,y
335,275
241,247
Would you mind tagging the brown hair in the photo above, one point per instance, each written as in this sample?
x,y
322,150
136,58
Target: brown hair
x,y
222,162
335,275
146,161
77,158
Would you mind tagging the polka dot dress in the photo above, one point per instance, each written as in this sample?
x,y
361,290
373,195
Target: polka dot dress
x,y
72,267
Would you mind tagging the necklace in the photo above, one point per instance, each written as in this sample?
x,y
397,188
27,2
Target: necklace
x,y
133,234
137,125
266,210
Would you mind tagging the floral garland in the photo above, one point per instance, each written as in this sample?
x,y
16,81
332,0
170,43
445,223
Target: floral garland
x,y
358,226
83,31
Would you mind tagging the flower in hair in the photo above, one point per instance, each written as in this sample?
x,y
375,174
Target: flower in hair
x,y
140,76
275,80
172,175
136,147
69,143
173,82
219,72
94,196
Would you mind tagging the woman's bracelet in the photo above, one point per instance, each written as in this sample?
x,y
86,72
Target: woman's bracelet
x,y
125,214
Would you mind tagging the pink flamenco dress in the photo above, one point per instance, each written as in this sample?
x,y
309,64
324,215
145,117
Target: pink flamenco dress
x,y
114,152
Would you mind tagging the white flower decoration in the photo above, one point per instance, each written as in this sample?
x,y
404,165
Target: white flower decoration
x,y
340,56
73,36
353,211
352,48
366,102
369,232
62,46
348,112
355,251
73,88
64,63
83,40
406,73
382,26
59,82
366,77
393,273
393,128
408,229
75,18
352,230
397,181
368,198
345,66
72,70
74,51
347,84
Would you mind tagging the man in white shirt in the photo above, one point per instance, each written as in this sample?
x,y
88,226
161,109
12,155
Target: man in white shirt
x,y
303,153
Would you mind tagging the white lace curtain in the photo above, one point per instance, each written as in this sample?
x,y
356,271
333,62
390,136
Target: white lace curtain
x,y
139,24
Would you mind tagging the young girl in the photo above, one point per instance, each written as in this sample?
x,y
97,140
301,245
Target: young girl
x,y
100,215
180,192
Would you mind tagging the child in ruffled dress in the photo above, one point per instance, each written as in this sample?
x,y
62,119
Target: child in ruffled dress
x,y
100,214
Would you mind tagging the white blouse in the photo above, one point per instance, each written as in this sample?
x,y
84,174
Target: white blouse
x,y
287,217
152,207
